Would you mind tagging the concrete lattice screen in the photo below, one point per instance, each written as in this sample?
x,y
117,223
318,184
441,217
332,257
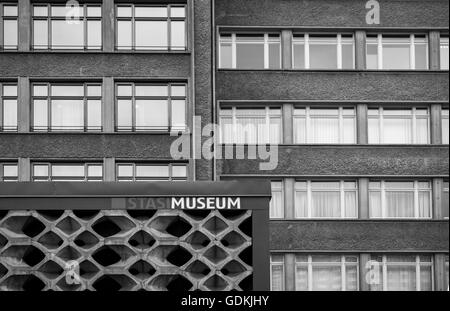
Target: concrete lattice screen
x,y
126,250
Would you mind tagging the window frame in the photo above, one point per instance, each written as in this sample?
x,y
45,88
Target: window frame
x,y
342,264
280,263
445,192
445,130
267,115
306,40
133,98
417,264
51,178
416,191
266,46
8,178
378,39
169,19
50,18
342,191
277,186
2,107
49,98
340,117
413,117
134,177
443,42
3,18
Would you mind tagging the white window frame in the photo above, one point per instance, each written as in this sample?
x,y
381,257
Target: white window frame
x,y
3,18
266,42
445,116
2,108
444,43
309,191
445,190
4,178
277,263
342,264
418,264
306,40
50,176
135,178
382,190
269,115
412,51
414,116
307,117
277,186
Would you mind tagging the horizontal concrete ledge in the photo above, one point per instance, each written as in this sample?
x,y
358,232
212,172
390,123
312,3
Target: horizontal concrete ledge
x,y
333,85
73,146
354,160
94,65
360,236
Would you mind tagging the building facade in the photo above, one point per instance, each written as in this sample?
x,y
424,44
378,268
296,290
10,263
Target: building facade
x,y
357,107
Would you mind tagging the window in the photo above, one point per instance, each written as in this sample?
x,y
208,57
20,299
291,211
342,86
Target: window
x,y
326,273
9,172
8,26
446,272
151,107
404,273
58,27
250,51
445,200
151,172
151,27
251,126
444,53
323,51
400,199
397,52
324,125
67,107
445,127
399,126
326,199
8,107
67,172
277,273
277,202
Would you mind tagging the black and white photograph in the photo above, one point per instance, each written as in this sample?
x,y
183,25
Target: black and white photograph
x,y
224,154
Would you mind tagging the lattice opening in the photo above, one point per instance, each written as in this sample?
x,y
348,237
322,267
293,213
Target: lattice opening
x,y
3,241
111,282
198,240
233,240
51,240
85,214
69,253
216,283
51,270
142,240
112,254
142,269
65,286
172,225
27,225
3,214
141,215
198,269
233,215
246,227
86,240
215,254
23,283
112,225
68,225
233,268
179,256
247,283
3,271
18,255
197,214
88,270
247,256
51,215
215,225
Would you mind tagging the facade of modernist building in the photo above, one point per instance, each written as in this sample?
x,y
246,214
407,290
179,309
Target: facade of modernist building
x,y
358,108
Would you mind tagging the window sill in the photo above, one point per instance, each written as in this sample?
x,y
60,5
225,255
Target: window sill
x,y
410,71
187,52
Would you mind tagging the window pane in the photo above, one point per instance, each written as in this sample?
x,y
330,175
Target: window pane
x,y
299,56
10,37
40,114
301,204
68,171
274,56
400,204
94,32
372,56
250,55
277,277
124,113
424,204
444,53
301,278
396,53
65,35
351,207
178,35
10,113
67,114
40,10
445,127
397,131
40,34
178,114
375,204
95,171
178,90
422,131
225,55
67,90
300,130
152,114
40,170
327,278
151,11
124,90
326,204
349,131
125,170
94,90
421,56
10,171
124,11
152,90
177,12
324,130
152,171
94,113
323,53
277,202
40,90
10,90
347,56
151,35
179,171
401,278
351,278
124,34
9,10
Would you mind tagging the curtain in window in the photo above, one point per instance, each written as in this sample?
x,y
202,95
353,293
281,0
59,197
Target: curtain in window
x,y
426,279
397,131
67,114
401,278
424,204
327,278
301,278
299,130
251,130
400,204
276,204
350,204
351,278
324,130
375,204
277,277
301,204
325,204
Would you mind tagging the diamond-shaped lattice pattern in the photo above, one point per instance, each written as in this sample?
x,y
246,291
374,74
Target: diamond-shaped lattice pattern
x,y
125,250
